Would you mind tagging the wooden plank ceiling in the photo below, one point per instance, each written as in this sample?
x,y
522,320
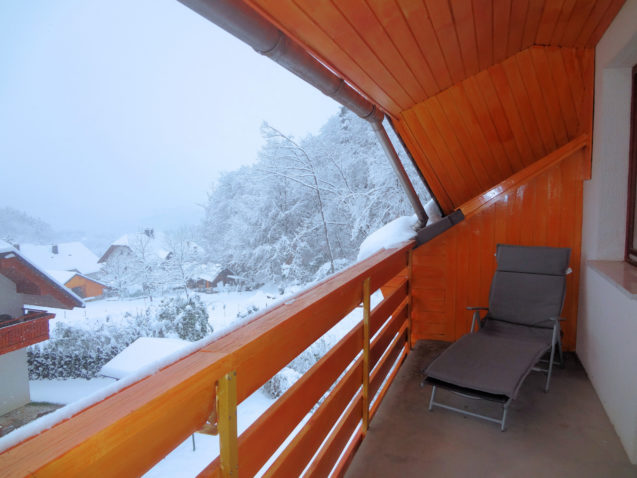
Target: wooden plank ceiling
x,y
478,89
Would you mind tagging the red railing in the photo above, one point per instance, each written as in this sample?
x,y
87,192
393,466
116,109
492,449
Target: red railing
x,y
130,431
28,329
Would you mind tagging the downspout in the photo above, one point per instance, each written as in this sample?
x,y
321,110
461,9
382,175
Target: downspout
x,y
243,22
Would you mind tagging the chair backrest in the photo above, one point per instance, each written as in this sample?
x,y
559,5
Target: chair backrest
x,y
529,284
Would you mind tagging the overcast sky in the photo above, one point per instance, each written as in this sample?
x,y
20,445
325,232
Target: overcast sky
x,y
119,114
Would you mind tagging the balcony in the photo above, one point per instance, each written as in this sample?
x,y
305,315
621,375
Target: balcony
x,y
28,329
319,427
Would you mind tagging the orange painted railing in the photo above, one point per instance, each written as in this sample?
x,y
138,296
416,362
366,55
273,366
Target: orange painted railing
x,y
130,431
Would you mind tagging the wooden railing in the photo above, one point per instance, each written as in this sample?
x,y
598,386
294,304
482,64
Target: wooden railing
x,y
130,431
28,329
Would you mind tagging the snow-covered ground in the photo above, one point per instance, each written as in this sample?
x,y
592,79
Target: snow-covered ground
x,y
226,310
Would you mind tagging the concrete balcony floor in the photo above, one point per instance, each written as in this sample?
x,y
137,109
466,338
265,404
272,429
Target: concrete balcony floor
x,y
563,433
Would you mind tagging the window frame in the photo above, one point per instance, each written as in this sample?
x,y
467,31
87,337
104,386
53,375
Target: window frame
x,y
631,252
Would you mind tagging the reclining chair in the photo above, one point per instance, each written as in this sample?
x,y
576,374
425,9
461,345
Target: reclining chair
x,y
521,325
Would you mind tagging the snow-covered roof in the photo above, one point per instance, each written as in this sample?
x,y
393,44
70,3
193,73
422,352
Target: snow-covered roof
x,y
157,243
62,276
64,296
140,354
207,272
69,256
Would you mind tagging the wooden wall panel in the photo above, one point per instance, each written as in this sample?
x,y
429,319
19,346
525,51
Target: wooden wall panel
x,y
478,132
454,270
400,52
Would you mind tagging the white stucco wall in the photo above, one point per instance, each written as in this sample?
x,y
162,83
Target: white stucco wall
x,y
14,391
607,323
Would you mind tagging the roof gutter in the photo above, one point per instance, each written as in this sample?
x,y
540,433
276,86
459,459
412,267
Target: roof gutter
x,y
243,22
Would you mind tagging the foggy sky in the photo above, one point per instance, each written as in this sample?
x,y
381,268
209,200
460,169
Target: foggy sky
x,y
117,115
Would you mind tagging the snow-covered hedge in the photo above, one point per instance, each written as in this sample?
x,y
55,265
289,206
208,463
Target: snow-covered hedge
x,y
75,352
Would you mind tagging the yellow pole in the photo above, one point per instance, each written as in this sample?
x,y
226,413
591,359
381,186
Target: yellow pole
x,y
366,338
227,424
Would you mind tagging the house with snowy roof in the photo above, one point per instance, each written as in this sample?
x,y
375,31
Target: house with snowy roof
x,y
84,286
67,256
209,276
149,242
23,284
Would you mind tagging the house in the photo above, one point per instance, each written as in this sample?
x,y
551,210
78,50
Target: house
x,y
518,116
149,242
84,286
209,276
66,256
22,283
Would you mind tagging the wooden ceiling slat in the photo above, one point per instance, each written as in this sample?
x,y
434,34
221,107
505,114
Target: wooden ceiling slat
x,y
576,80
476,138
336,26
363,20
518,129
302,26
465,26
551,100
406,132
483,19
611,12
459,143
397,27
519,12
562,21
500,120
443,25
536,97
487,125
533,18
550,16
430,156
563,86
525,108
450,176
576,23
598,11
420,25
501,18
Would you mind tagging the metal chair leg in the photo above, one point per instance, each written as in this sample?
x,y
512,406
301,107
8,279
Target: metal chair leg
x,y
431,400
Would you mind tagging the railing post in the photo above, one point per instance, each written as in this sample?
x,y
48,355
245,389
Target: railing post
x,y
366,338
227,424
409,295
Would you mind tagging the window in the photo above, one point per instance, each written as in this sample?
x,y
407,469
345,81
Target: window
x,y
631,220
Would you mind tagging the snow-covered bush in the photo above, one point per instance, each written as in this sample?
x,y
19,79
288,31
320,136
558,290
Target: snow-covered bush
x,y
277,385
74,352
185,317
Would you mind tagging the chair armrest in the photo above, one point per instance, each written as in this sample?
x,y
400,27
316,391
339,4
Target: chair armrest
x,y
557,319
476,317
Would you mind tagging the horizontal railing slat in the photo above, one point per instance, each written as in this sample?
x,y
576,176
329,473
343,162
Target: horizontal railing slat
x,y
266,434
384,309
387,333
303,446
379,374
338,438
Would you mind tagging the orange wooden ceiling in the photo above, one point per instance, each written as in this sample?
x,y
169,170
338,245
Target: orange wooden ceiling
x,y
400,52
478,89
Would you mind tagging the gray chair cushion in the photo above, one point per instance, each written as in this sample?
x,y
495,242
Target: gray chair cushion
x,y
529,299
490,364
533,260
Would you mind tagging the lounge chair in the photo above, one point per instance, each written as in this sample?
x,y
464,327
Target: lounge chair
x,y
521,325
